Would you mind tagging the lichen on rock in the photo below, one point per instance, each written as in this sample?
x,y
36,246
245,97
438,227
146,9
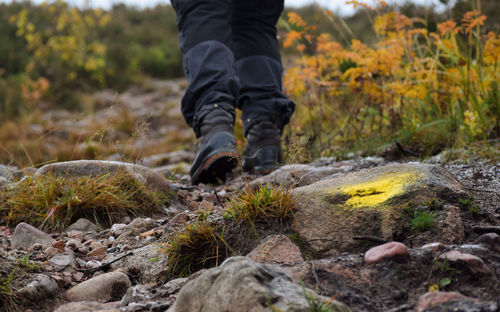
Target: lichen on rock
x,y
330,213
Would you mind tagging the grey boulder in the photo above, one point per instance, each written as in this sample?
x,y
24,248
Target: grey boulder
x,y
42,287
83,225
102,288
370,202
240,284
26,236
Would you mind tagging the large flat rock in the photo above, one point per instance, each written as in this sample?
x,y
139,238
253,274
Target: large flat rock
x,y
367,202
149,177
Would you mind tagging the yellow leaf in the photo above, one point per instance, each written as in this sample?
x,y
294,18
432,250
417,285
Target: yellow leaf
x,y
434,287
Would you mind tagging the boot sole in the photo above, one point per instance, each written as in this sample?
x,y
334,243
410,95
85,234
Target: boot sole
x,y
215,167
263,170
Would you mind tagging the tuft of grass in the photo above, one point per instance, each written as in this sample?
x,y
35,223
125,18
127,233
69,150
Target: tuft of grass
x,y
423,220
265,202
53,202
7,295
434,204
468,204
316,305
26,263
200,245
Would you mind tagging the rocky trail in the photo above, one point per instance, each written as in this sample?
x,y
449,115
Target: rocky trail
x,y
364,234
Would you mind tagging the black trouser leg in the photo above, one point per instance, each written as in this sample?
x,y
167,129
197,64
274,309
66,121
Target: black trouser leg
x,y
205,40
258,62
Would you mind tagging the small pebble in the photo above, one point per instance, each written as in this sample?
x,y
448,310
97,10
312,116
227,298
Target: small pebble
x,y
433,246
474,263
386,251
60,245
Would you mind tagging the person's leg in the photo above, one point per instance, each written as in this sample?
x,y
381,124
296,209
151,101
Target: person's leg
x,y
209,102
266,110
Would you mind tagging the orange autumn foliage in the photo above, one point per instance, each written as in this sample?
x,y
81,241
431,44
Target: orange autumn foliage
x,y
422,88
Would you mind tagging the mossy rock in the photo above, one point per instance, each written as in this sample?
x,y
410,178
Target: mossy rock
x,y
371,202
96,168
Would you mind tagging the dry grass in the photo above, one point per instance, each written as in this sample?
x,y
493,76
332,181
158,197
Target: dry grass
x,y
203,244
54,202
200,245
266,202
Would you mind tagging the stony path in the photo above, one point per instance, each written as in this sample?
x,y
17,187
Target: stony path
x,y
359,265
366,234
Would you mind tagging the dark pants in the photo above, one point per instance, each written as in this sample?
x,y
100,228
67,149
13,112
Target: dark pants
x,y
231,56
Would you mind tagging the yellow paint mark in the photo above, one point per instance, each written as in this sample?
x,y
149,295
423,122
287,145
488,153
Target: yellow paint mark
x,y
378,190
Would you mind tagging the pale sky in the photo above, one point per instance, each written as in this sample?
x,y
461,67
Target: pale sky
x,y
335,5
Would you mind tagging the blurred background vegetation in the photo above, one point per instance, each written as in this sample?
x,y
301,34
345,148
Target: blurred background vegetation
x,y
52,54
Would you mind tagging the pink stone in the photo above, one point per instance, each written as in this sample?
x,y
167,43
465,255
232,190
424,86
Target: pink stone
x,y
60,245
181,218
277,249
206,205
473,263
51,251
94,245
194,205
98,253
385,251
77,276
73,244
83,250
78,235
436,298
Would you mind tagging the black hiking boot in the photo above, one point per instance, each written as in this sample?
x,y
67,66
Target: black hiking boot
x,y
262,153
216,154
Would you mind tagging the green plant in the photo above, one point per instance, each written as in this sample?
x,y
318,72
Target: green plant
x,y
445,282
265,202
316,305
434,204
423,220
468,203
7,295
445,266
200,245
53,202
26,263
